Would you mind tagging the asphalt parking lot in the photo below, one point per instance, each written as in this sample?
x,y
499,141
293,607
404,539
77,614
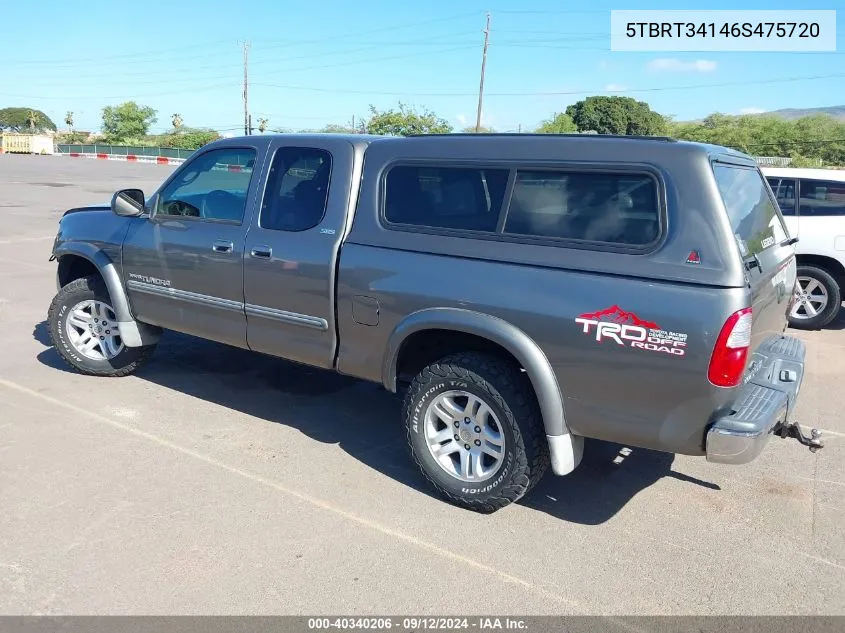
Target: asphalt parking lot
x,y
217,481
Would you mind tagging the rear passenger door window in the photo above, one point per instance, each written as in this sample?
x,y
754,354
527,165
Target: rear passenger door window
x,y
822,197
462,198
297,189
616,208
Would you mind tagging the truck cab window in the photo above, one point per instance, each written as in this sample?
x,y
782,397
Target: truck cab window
x,y
212,186
297,189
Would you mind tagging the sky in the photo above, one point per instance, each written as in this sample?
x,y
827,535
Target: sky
x,y
314,63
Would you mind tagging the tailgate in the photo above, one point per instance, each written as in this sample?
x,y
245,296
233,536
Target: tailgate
x,y
763,242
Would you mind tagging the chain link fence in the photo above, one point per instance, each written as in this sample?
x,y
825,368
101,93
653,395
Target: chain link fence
x,y
779,161
123,150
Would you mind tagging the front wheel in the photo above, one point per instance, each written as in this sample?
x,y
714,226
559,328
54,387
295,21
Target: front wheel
x,y
817,299
475,430
84,330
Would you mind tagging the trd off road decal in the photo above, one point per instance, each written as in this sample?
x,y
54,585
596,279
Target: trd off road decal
x,y
625,328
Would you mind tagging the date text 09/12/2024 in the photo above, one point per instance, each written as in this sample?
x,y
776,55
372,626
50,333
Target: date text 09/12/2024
x,y
417,623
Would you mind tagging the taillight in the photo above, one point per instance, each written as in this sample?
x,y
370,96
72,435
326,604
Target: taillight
x,y
731,351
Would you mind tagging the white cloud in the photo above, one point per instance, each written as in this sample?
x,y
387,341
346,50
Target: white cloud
x,y
672,65
615,88
752,110
465,121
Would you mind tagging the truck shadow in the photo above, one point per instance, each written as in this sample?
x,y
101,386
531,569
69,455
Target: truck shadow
x,y
364,420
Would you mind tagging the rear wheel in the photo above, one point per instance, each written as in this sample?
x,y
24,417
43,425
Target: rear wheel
x,y
475,430
83,327
817,299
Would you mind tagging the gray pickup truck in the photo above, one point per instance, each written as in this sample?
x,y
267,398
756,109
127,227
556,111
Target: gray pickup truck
x,y
524,292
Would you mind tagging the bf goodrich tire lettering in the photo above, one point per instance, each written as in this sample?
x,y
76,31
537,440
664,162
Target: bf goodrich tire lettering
x,y
84,292
496,384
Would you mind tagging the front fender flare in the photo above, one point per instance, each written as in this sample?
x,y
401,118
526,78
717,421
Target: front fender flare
x,y
518,343
133,333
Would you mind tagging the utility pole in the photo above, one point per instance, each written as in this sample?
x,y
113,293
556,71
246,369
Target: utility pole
x,y
247,131
483,67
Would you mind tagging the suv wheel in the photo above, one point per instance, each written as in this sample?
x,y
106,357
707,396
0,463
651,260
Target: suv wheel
x,y
83,327
817,299
475,430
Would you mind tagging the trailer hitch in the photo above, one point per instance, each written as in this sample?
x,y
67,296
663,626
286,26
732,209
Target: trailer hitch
x,y
792,429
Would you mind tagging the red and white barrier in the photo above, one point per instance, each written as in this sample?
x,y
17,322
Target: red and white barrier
x,y
132,158
158,160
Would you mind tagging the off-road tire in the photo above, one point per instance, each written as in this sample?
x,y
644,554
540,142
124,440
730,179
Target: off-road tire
x,y
92,287
834,299
510,395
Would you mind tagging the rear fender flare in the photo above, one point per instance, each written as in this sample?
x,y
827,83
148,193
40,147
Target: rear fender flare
x,y
518,343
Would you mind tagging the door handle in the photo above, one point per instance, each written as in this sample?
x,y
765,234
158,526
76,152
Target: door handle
x,y
264,252
222,246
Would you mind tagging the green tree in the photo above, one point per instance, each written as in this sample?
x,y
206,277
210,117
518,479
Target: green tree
x,y
616,115
262,125
799,160
405,121
807,140
484,129
33,118
560,123
336,128
127,121
29,119
69,120
188,138
176,119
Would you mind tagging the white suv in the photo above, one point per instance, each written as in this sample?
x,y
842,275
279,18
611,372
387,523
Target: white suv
x,y
813,205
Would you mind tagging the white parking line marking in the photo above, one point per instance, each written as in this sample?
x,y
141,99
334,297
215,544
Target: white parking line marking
x,y
825,481
314,501
27,239
822,560
23,263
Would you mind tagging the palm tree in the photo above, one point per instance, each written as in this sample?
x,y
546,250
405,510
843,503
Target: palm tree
x,y
69,120
262,125
177,121
33,117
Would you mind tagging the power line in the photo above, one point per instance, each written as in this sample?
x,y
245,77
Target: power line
x,y
381,59
542,94
449,94
563,12
431,41
130,96
408,25
76,78
797,142
80,60
282,44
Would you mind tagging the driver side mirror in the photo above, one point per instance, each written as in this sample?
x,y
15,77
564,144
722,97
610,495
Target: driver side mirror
x,y
128,203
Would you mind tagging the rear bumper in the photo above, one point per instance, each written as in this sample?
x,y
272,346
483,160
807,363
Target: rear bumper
x,y
764,403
